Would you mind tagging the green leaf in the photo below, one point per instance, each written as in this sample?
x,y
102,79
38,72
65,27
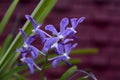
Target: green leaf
x,y
68,73
39,14
7,75
85,51
83,78
19,77
8,15
5,45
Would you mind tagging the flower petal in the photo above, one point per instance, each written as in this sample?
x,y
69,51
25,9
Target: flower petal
x,y
49,42
31,68
58,59
60,48
74,45
67,32
33,54
29,62
35,25
80,20
30,39
55,62
41,34
67,40
34,51
75,21
64,22
24,54
24,34
68,48
51,28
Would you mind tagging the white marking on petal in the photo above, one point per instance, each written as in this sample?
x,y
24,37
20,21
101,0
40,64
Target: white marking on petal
x,y
73,30
33,31
22,59
25,45
67,57
38,26
54,45
61,37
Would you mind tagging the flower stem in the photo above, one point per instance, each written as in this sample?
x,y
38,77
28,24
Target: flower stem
x,y
43,67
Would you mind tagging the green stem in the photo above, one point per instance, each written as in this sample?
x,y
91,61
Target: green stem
x,y
43,67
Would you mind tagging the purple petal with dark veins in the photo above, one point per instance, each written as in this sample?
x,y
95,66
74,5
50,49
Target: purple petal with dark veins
x,y
64,22
30,64
51,28
34,51
49,42
31,68
74,45
35,25
76,21
30,39
67,32
67,40
41,34
68,48
57,60
59,48
33,54
80,20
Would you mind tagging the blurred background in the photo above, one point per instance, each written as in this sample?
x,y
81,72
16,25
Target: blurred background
x,y
101,29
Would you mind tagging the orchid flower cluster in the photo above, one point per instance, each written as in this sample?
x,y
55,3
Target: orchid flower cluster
x,y
61,42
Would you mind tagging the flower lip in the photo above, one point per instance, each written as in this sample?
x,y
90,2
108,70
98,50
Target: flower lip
x,y
73,30
25,45
67,57
54,45
22,59
61,37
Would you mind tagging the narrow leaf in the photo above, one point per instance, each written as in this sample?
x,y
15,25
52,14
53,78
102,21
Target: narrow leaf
x,y
5,44
8,15
68,73
85,51
83,78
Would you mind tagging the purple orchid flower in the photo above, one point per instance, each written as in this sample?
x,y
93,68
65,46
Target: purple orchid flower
x,y
64,56
27,47
36,29
30,63
70,31
61,36
53,42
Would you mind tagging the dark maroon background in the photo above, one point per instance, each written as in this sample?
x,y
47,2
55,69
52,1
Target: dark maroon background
x,y
101,30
